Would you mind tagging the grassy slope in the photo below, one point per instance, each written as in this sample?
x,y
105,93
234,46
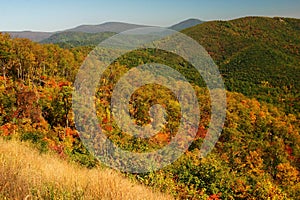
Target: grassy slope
x,y
26,173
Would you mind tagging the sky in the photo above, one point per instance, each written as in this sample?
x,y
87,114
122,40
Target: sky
x,y
55,15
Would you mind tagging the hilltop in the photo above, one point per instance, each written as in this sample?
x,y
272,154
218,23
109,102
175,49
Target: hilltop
x,y
257,56
186,24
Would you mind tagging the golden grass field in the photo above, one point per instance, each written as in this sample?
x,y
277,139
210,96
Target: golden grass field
x,y
27,174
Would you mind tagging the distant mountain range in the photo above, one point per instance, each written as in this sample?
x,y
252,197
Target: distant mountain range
x,y
34,36
69,39
89,30
115,27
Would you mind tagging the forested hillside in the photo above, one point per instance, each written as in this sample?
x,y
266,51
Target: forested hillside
x,y
258,153
257,56
75,39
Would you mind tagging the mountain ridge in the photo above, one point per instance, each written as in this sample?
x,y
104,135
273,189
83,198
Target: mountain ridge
x,y
32,35
186,24
115,27
257,53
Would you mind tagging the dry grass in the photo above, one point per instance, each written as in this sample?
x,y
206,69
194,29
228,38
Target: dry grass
x,y
26,174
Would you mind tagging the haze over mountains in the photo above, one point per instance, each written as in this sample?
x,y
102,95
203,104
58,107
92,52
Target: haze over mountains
x,y
112,27
34,36
115,27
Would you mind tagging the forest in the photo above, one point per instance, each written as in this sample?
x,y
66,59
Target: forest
x,y
258,153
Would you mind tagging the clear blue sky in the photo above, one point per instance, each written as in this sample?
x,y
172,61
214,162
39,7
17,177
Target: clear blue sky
x,y
53,15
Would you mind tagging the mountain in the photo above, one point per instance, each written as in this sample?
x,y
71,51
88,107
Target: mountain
x,y
73,39
115,27
112,27
256,56
34,36
186,24
93,34
86,35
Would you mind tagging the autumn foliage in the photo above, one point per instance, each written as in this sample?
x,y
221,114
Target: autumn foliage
x,y
257,155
